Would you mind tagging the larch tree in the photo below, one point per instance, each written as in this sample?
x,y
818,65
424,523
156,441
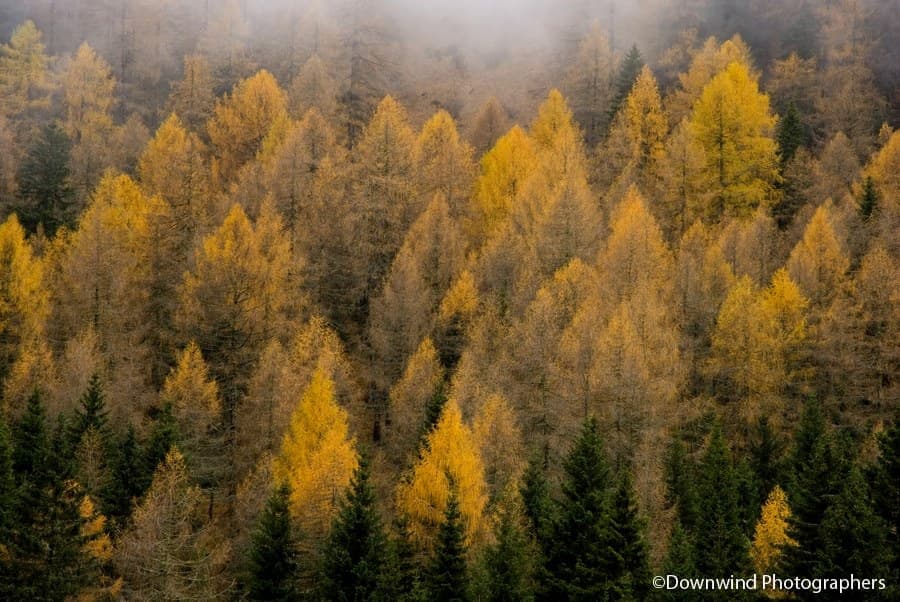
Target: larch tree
x,y
499,439
408,399
404,312
24,76
731,121
24,301
708,61
192,97
818,262
444,163
168,551
589,84
317,458
449,461
489,125
770,534
682,172
645,120
194,399
242,120
384,192
88,99
504,170
313,87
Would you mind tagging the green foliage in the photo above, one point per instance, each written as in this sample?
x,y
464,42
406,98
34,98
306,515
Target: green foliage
x,y
536,502
628,72
354,557
273,560
766,457
510,562
44,190
679,561
128,478
447,579
791,134
681,484
868,205
91,413
162,437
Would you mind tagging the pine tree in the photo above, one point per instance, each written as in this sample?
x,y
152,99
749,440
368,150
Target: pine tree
x,y
353,561
630,572
721,543
447,578
791,134
273,560
579,555
679,561
868,205
628,72
681,485
44,189
536,502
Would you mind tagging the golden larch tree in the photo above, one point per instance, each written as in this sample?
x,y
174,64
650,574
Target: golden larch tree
x,y
818,262
770,535
317,457
450,459
444,162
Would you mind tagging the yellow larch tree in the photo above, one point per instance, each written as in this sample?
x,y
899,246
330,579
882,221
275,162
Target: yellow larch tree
x,y
770,536
732,122
24,301
681,172
317,457
818,262
489,124
450,459
173,165
194,399
235,299
589,83
444,162
499,439
504,170
785,305
242,120
457,310
645,121
710,60
192,97
313,88
422,379
24,77
423,270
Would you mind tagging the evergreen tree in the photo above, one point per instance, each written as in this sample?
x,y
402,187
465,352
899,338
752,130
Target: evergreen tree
x,y
433,411
766,451
721,544
679,561
127,477
447,576
579,556
627,546
536,501
681,484
510,561
162,437
816,477
791,134
31,446
7,483
353,559
273,554
46,195
853,538
869,202
885,485
91,413
628,72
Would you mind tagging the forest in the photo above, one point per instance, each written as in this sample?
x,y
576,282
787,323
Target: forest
x,y
448,301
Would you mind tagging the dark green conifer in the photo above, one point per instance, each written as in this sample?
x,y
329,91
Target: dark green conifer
x,y
509,563
446,578
273,552
353,560
44,189
868,205
791,134
628,73
127,479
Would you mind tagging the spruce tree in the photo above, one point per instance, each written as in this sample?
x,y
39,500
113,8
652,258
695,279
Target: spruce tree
x,y
433,411
7,482
869,202
91,412
885,486
853,539
679,561
536,502
766,457
628,72
630,567
681,484
127,481
162,437
272,559
353,559
44,189
579,556
721,546
791,134
509,563
446,578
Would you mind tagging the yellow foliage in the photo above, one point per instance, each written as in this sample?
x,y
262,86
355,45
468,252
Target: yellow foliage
x,y
24,301
771,533
450,459
646,120
462,298
317,457
444,161
504,170
409,397
818,263
731,121
87,92
97,543
554,119
243,119
884,168
23,71
189,388
499,441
